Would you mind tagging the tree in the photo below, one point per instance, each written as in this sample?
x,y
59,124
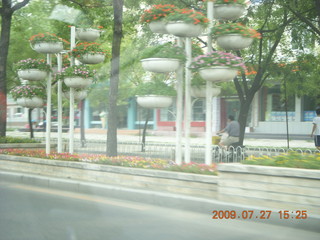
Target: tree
x,y
7,10
114,79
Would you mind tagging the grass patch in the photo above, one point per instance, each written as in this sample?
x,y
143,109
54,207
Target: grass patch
x,y
124,161
291,159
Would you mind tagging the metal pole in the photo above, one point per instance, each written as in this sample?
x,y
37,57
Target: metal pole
x,y
178,153
71,114
188,110
48,114
286,109
59,58
208,154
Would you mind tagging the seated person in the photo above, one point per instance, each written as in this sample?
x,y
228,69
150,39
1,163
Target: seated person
x,y
233,130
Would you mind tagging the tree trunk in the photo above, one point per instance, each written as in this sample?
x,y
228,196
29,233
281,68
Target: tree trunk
x,y
6,12
4,48
243,116
30,122
82,132
114,79
145,132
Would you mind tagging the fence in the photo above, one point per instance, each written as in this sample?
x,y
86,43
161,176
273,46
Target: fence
x,y
167,151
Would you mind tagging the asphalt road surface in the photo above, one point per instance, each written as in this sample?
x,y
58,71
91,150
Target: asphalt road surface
x,y
34,213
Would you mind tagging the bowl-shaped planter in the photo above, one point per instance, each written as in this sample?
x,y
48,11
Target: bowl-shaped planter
x,y
154,101
218,74
77,82
158,26
228,11
34,102
78,95
201,91
87,34
92,58
234,41
32,74
182,29
160,65
48,47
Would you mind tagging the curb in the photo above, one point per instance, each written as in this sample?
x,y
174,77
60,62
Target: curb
x,y
162,199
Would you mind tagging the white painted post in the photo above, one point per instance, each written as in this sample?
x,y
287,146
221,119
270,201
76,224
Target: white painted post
x,y
48,114
71,114
178,153
208,154
188,110
59,59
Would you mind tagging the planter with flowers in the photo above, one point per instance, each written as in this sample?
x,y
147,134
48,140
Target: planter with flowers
x,y
217,66
89,53
155,94
29,96
155,16
199,89
234,36
77,76
32,69
47,43
88,33
162,58
186,22
79,93
229,9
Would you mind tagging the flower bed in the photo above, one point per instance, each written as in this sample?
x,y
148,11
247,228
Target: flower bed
x,y
124,161
290,159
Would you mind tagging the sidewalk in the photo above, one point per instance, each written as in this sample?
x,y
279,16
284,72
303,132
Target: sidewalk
x,y
251,139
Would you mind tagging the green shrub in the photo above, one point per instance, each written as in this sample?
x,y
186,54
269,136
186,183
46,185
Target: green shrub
x,y
17,140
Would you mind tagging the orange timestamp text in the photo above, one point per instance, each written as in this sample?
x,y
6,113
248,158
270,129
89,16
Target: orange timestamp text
x,y
259,214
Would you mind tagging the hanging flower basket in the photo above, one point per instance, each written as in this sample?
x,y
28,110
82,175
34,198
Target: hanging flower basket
x,y
218,74
201,91
87,34
77,76
48,47
158,26
92,58
234,41
34,102
228,11
155,16
186,22
89,53
30,96
47,43
160,65
154,101
78,82
78,94
162,58
234,36
32,74
182,29
32,69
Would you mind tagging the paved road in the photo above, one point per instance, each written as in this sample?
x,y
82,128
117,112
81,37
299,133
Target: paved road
x,y
34,213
